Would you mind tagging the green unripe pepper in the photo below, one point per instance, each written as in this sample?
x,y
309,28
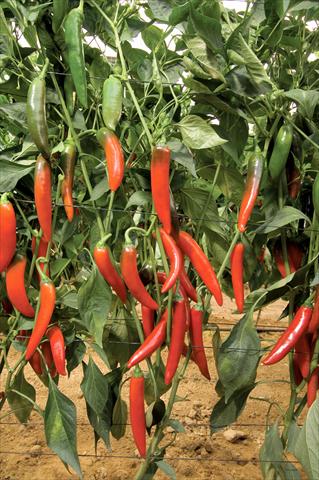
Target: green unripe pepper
x,y
280,152
112,101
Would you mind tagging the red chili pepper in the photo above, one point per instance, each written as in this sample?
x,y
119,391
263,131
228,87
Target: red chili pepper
x,y
103,260
132,279
56,339
137,414
187,307
147,320
237,274
293,182
46,350
303,355
314,322
47,304
8,238
312,387
177,340
42,252
297,374
151,343
6,305
290,337
175,257
201,264
196,335
69,157
42,196
294,254
114,157
160,185
254,174
35,362
187,284
16,288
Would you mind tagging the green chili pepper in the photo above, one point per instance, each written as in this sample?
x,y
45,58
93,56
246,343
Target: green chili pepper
x,y
112,101
69,93
36,112
280,152
315,195
73,39
60,9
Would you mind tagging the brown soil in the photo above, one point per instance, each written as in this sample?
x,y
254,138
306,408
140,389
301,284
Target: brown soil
x,y
195,453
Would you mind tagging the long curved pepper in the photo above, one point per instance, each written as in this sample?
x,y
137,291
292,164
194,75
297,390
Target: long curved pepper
x,y
8,237
113,155
47,304
201,264
154,341
16,288
103,260
254,174
175,257
137,413
196,335
290,337
147,320
69,158
237,273
177,340
132,279
160,163
56,339
42,196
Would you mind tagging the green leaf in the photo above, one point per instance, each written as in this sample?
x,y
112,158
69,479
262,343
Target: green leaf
x,y
231,183
60,427
181,155
272,462
94,387
205,57
161,9
176,425
139,198
284,216
253,65
94,302
166,468
208,29
119,418
306,447
100,189
11,172
224,414
74,354
306,99
198,134
238,357
20,406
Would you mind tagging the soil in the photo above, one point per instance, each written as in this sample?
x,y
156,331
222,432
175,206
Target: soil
x,y
195,453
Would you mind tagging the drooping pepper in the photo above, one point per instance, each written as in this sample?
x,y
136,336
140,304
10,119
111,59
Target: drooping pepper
x,y
35,362
75,52
68,158
56,339
137,414
196,335
237,274
187,284
42,196
160,163
47,304
177,340
151,343
314,322
114,157
112,101
254,174
280,151
132,279
290,337
42,252
201,264
8,237
47,353
294,254
312,387
175,257
36,112
16,288
103,260
302,355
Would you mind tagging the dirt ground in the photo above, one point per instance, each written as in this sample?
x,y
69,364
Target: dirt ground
x,y
197,454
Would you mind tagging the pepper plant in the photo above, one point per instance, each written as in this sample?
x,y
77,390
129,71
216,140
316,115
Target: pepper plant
x,y
148,180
